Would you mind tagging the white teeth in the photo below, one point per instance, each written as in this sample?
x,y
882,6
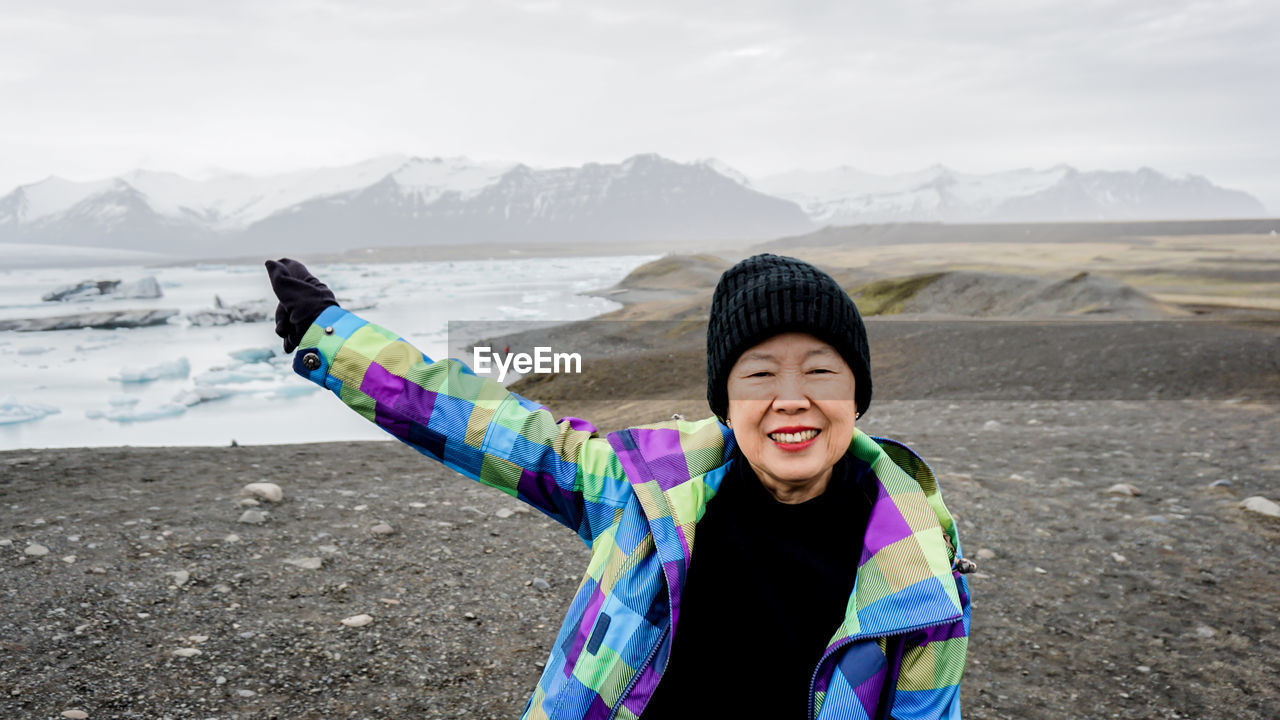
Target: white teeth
x,y
799,437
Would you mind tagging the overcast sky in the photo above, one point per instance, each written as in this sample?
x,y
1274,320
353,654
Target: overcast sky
x,y
977,85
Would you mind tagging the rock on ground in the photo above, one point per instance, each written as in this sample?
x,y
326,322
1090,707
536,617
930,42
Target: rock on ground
x,y
1262,506
265,491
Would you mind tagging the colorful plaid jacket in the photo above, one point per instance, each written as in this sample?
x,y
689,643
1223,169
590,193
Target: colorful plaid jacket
x,y
635,497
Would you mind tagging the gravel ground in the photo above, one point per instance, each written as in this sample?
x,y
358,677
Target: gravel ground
x,y
1086,604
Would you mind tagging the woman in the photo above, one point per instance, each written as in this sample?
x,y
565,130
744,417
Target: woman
x,y
824,562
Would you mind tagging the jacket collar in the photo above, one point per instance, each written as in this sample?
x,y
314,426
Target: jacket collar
x,y
904,574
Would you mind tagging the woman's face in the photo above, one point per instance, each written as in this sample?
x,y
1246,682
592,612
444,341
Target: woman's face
x,y
791,408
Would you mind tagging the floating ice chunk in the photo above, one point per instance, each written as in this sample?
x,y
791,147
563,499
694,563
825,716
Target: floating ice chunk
x,y
292,390
534,297
364,302
122,400
132,414
34,350
254,372
253,311
106,320
199,394
508,312
81,291
146,287
13,412
87,290
86,347
96,339
179,368
253,355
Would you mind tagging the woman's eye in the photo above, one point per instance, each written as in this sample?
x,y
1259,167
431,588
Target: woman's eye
x,y
821,370
761,373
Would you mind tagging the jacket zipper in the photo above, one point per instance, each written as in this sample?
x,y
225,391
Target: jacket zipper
x,y
852,638
636,678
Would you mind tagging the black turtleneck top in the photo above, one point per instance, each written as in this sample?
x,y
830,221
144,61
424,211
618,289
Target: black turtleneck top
x,y
766,590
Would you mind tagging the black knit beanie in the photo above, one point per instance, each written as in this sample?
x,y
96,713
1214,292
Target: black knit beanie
x,y
766,295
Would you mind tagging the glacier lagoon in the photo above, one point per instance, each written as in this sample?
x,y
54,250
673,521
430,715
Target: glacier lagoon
x,y
183,384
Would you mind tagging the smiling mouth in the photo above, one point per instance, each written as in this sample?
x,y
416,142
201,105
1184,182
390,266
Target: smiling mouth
x,y
791,438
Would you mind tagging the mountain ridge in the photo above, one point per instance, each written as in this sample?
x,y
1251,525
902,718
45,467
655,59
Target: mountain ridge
x,y
406,200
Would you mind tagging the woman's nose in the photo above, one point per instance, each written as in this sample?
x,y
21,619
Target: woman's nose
x,y
791,394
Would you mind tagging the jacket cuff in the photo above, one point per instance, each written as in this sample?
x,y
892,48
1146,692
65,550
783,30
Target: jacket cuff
x,y
321,342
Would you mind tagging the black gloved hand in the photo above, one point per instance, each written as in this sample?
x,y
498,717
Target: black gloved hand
x,y
302,298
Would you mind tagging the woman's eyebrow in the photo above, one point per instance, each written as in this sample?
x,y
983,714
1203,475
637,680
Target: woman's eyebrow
x,y
760,355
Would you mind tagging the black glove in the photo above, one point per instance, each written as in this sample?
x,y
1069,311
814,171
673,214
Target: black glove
x,y
302,299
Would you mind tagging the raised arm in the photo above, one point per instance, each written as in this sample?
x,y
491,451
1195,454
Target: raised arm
x,y
471,424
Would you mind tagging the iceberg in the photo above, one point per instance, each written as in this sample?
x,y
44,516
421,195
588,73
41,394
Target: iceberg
x,y
253,355
122,400
292,390
246,312
255,372
364,302
147,288
130,414
174,369
34,350
13,412
197,395
102,320
86,347
81,291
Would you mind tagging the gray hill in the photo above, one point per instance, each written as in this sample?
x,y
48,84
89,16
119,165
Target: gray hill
x,y
891,234
679,287
1006,295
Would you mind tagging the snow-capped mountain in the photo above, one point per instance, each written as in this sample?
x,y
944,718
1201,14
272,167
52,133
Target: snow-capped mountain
x,y
644,198
397,200
845,196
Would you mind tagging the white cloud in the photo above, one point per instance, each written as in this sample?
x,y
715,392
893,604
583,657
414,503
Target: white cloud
x,y
767,86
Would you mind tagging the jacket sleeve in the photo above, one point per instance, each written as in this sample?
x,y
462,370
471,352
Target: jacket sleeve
x,y
471,424
933,661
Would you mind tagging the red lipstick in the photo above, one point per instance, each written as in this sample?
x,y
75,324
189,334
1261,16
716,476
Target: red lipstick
x,y
794,447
